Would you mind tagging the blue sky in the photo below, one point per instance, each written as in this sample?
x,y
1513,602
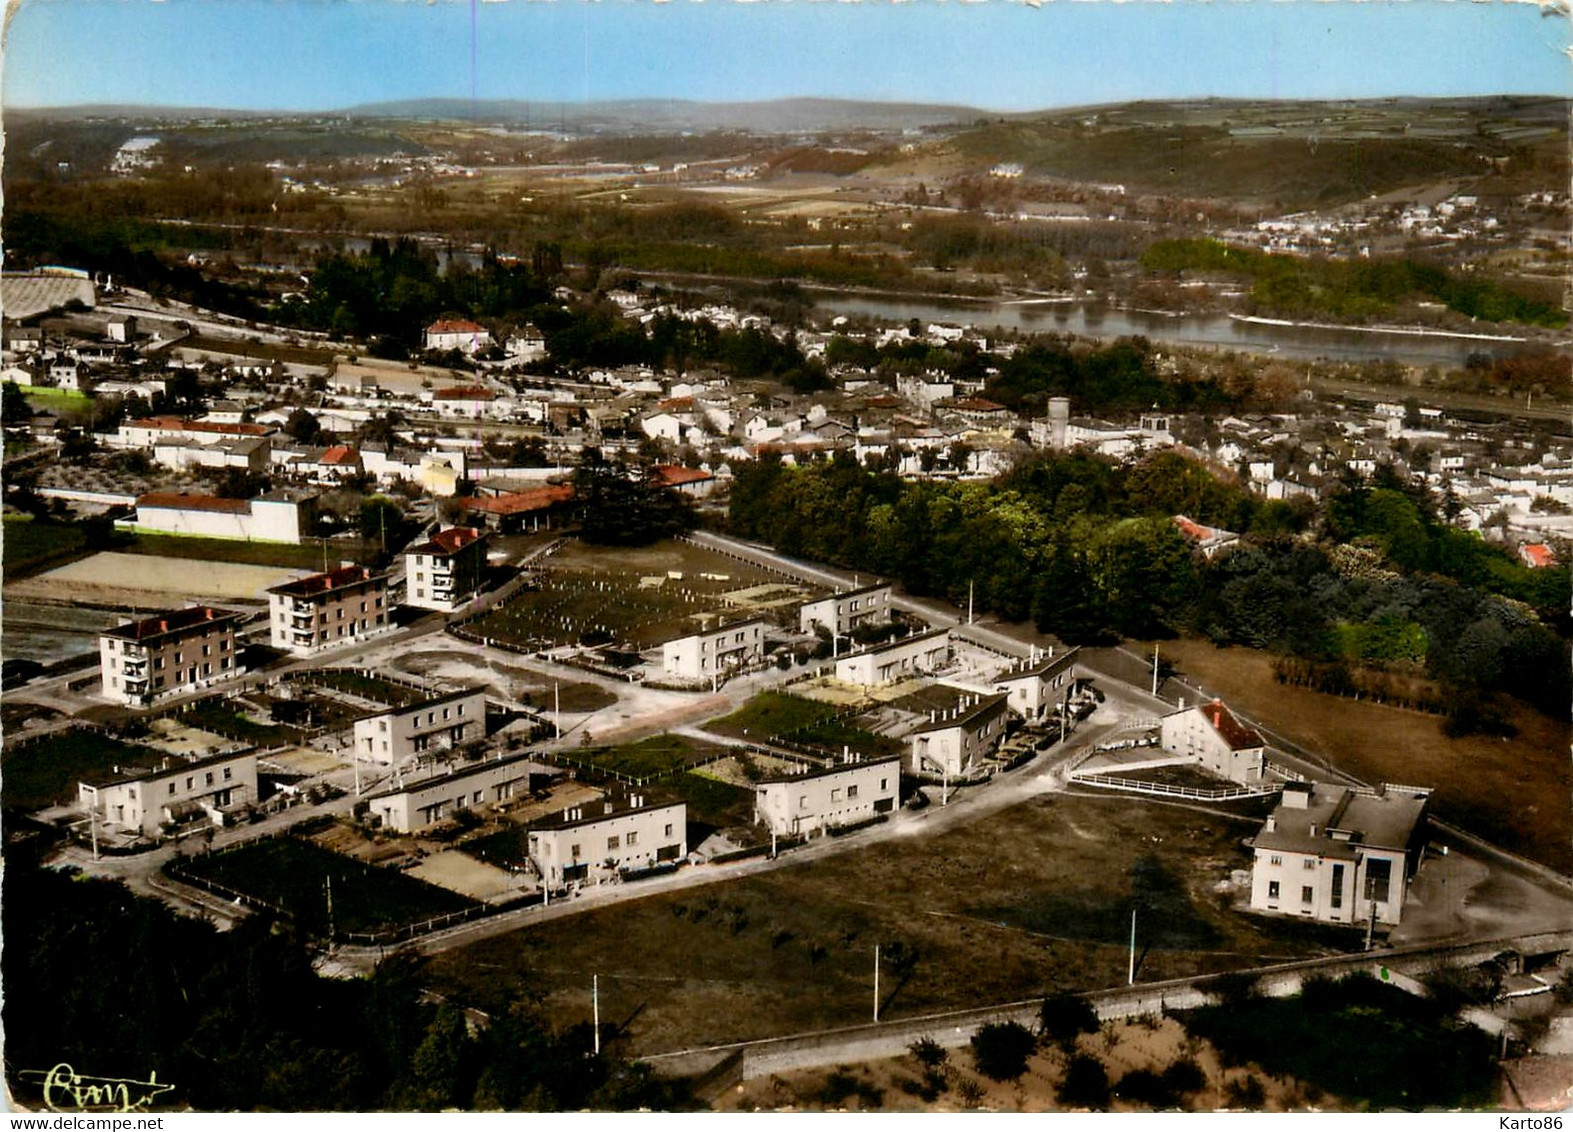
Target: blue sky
x,y
994,54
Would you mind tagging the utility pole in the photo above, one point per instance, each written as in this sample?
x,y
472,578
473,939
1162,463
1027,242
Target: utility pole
x,y
329,883
557,708
969,603
92,823
1130,971
595,1004
1155,671
876,982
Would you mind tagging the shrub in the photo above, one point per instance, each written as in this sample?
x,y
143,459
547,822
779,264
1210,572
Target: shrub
x,y
1001,1049
1086,1084
1065,1017
928,1052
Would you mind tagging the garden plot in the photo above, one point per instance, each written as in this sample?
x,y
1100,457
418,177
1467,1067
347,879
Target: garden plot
x,y
637,599
462,873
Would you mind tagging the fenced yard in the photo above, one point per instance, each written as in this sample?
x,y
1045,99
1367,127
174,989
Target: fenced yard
x,y
803,724
44,772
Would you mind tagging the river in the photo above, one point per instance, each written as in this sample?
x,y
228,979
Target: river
x,y
1101,321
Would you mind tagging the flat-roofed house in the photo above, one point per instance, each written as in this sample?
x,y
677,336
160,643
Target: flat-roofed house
x,y
172,653
445,571
598,839
324,611
441,723
954,740
844,794
150,801
412,806
1035,686
714,652
1339,854
1218,741
897,660
842,612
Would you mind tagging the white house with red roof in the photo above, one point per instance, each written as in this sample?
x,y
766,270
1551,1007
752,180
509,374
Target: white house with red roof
x,y
278,516
447,570
1215,740
473,401
689,481
337,464
458,334
1208,540
1537,555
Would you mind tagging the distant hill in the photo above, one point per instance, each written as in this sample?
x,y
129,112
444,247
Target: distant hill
x,y
669,115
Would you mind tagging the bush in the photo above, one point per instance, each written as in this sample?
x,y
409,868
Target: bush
x,y
1065,1017
1001,1049
1143,1086
1086,1084
928,1052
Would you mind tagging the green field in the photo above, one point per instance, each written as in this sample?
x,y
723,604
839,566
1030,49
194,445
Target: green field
x,y
712,804
56,400
294,875
219,716
367,686
45,772
308,556
796,719
655,757
30,546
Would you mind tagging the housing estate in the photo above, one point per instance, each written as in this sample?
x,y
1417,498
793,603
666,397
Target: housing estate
x,y
409,807
445,571
1220,743
953,741
323,611
1340,854
840,613
147,801
181,651
817,800
440,723
616,834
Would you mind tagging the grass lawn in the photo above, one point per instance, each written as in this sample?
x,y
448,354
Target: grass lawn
x,y
294,874
308,556
957,915
504,847
367,686
785,716
712,804
31,546
1517,793
56,400
655,757
221,717
45,771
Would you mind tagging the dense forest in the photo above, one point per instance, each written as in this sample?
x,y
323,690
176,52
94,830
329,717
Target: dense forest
x,y
119,986
1373,582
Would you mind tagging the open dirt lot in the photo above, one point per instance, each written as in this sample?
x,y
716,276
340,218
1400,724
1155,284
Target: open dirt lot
x,y
461,873
1517,793
1039,901
111,578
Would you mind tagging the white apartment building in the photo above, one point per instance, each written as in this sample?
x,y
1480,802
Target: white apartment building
x,y
324,611
840,613
715,652
1034,687
599,839
887,663
173,653
818,800
952,742
151,801
1338,854
439,724
412,806
446,571
1220,743
278,516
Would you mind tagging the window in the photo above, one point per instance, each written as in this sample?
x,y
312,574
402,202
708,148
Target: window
x,y
223,665
612,842
382,725
460,709
573,852
633,839
852,792
1272,890
209,778
189,781
206,651
1337,896
1378,878
1275,859
835,793
1307,894
668,830
802,803
227,774
177,658
884,784
223,645
1308,864
171,787
445,713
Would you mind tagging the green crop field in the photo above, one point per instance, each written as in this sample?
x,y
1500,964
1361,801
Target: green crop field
x,y
31,546
782,716
655,757
45,772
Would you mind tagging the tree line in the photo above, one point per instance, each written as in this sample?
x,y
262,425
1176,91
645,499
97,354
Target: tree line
x,y
1084,547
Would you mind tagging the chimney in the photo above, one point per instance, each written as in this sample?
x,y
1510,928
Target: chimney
x,y
609,807
1272,824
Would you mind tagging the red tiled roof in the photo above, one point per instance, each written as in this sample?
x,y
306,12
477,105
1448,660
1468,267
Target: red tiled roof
x,y
1236,734
170,622
977,405
464,393
181,424
447,542
1190,528
455,326
190,502
340,454
323,583
1537,554
671,475
677,405
521,502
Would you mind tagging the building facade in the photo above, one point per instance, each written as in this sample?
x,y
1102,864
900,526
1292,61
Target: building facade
x,y
1220,743
278,516
818,800
184,650
1338,854
413,806
1035,687
137,800
446,571
324,611
885,664
953,741
442,723
840,613
600,839
702,656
